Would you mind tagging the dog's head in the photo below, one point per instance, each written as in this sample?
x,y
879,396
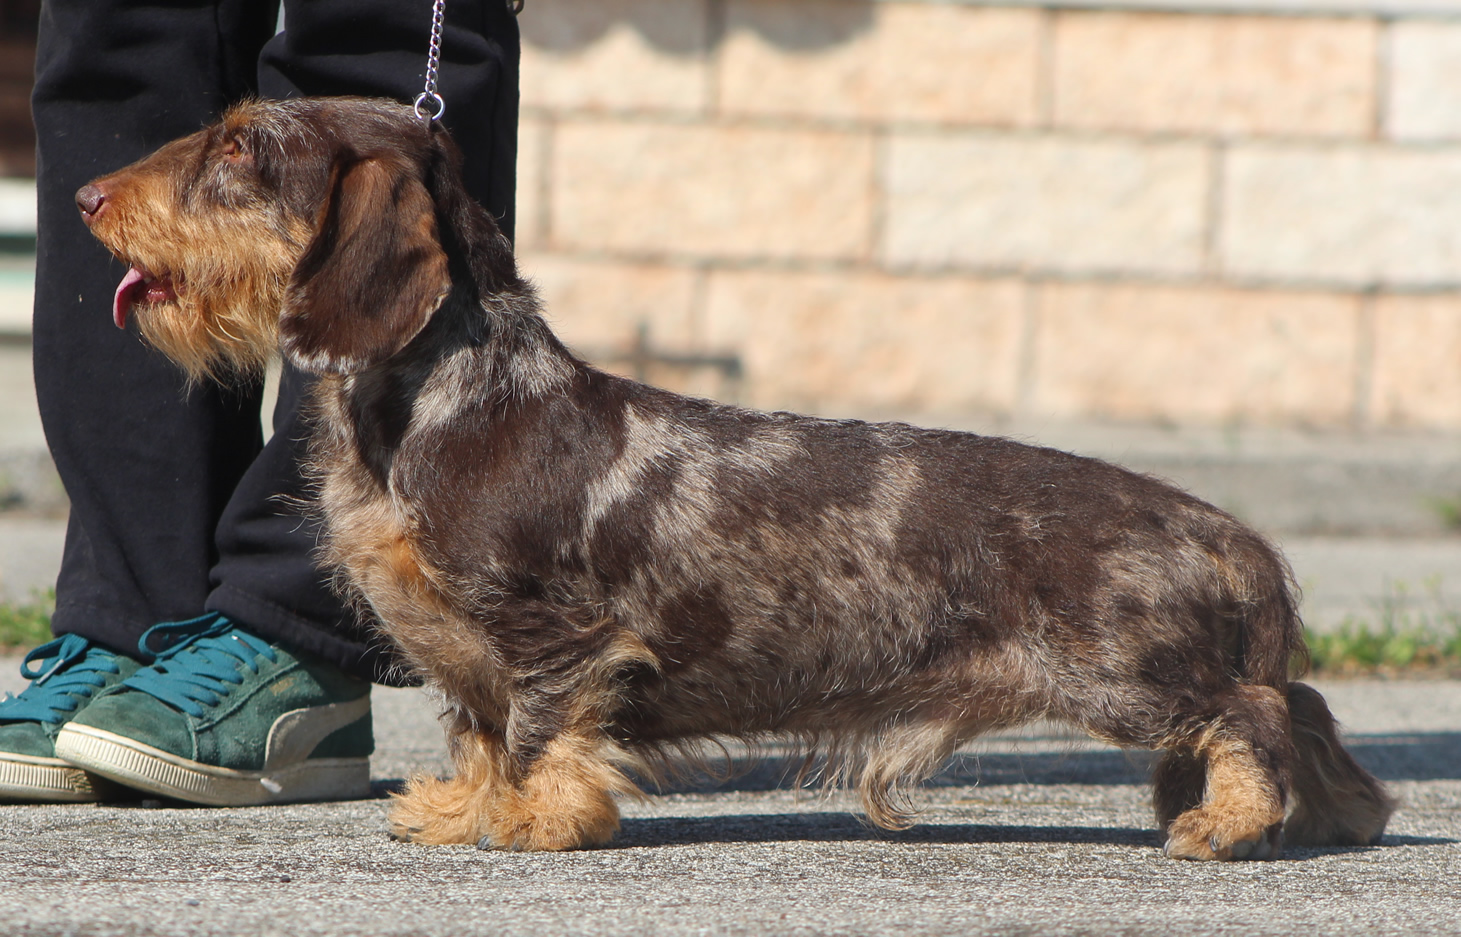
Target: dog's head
x,y
313,225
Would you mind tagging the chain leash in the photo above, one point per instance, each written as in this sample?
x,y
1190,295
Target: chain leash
x,y
429,104
433,61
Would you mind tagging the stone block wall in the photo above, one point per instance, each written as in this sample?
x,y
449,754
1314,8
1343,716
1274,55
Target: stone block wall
x,y
955,208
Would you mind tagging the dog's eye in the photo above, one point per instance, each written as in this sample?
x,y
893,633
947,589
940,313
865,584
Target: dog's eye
x,y
234,151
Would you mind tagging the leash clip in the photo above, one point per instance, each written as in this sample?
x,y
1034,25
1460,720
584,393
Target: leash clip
x,y
427,115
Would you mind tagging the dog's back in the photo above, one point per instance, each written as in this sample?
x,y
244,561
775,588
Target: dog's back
x,y
863,560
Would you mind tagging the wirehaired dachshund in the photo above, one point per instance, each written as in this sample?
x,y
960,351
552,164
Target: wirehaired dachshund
x,y
601,575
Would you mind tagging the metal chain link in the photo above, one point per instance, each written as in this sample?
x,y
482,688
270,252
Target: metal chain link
x,y
433,62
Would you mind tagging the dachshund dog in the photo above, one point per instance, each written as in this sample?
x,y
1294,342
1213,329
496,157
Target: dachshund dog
x,y
600,576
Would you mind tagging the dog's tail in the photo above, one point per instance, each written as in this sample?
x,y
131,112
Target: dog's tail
x,y
1333,801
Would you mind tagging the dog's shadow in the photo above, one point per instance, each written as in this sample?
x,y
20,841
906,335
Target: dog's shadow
x,y
838,827
1409,756
1418,756
1428,756
1422,756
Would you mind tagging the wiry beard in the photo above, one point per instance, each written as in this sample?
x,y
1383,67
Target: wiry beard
x,y
223,322
227,339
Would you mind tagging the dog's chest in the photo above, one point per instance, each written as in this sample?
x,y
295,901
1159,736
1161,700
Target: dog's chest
x,y
381,558
369,540
372,540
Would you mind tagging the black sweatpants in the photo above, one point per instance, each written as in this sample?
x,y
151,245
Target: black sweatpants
x,y
177,505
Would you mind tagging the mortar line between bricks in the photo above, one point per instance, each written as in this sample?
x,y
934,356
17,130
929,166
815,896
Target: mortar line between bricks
x,y
879,200
1045,66
1384,63
1002,271
715,26
1364,366
699,311
795,123
547,142
1217,183
1027,363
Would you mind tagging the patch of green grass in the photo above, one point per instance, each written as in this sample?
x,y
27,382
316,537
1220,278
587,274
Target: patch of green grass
x,y
1357,648
26,624
1448,510
1408,632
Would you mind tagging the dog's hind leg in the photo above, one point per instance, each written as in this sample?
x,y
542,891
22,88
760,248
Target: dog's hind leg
x,y
1178,783
1246,756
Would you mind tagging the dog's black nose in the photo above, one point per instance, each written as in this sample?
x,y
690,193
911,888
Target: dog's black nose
x,y
90,199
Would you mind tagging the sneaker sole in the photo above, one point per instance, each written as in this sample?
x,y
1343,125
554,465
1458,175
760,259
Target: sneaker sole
x,y
155,771
33,778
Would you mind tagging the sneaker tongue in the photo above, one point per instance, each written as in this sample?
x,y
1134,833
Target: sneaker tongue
x,y
133,283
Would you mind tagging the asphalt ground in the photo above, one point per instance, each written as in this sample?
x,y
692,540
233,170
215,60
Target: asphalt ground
x,y
1029,833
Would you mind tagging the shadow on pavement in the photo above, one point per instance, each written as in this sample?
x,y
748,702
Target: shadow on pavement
x,y
1421,756
846,827
779,772
1416,756
1389,840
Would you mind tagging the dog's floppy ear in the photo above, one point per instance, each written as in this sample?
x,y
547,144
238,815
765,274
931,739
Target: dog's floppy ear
x,y
372,276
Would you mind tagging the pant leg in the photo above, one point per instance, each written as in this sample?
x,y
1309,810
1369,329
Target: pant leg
x,y
148,466
265,575
378,48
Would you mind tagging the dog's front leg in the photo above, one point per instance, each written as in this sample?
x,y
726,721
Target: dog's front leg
x,y
515,790
562,798
440,811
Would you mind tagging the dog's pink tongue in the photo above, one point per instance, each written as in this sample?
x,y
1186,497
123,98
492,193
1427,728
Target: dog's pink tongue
x,y
127,291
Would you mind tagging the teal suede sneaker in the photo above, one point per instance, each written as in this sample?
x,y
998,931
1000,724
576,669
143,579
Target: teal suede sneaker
x,y
65,675
224,718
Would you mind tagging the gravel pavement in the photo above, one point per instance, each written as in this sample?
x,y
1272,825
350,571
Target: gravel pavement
x,y
1029,833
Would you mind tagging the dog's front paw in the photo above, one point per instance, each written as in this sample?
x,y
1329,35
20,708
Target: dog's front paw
x,y
437,813
523,825
1203,833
